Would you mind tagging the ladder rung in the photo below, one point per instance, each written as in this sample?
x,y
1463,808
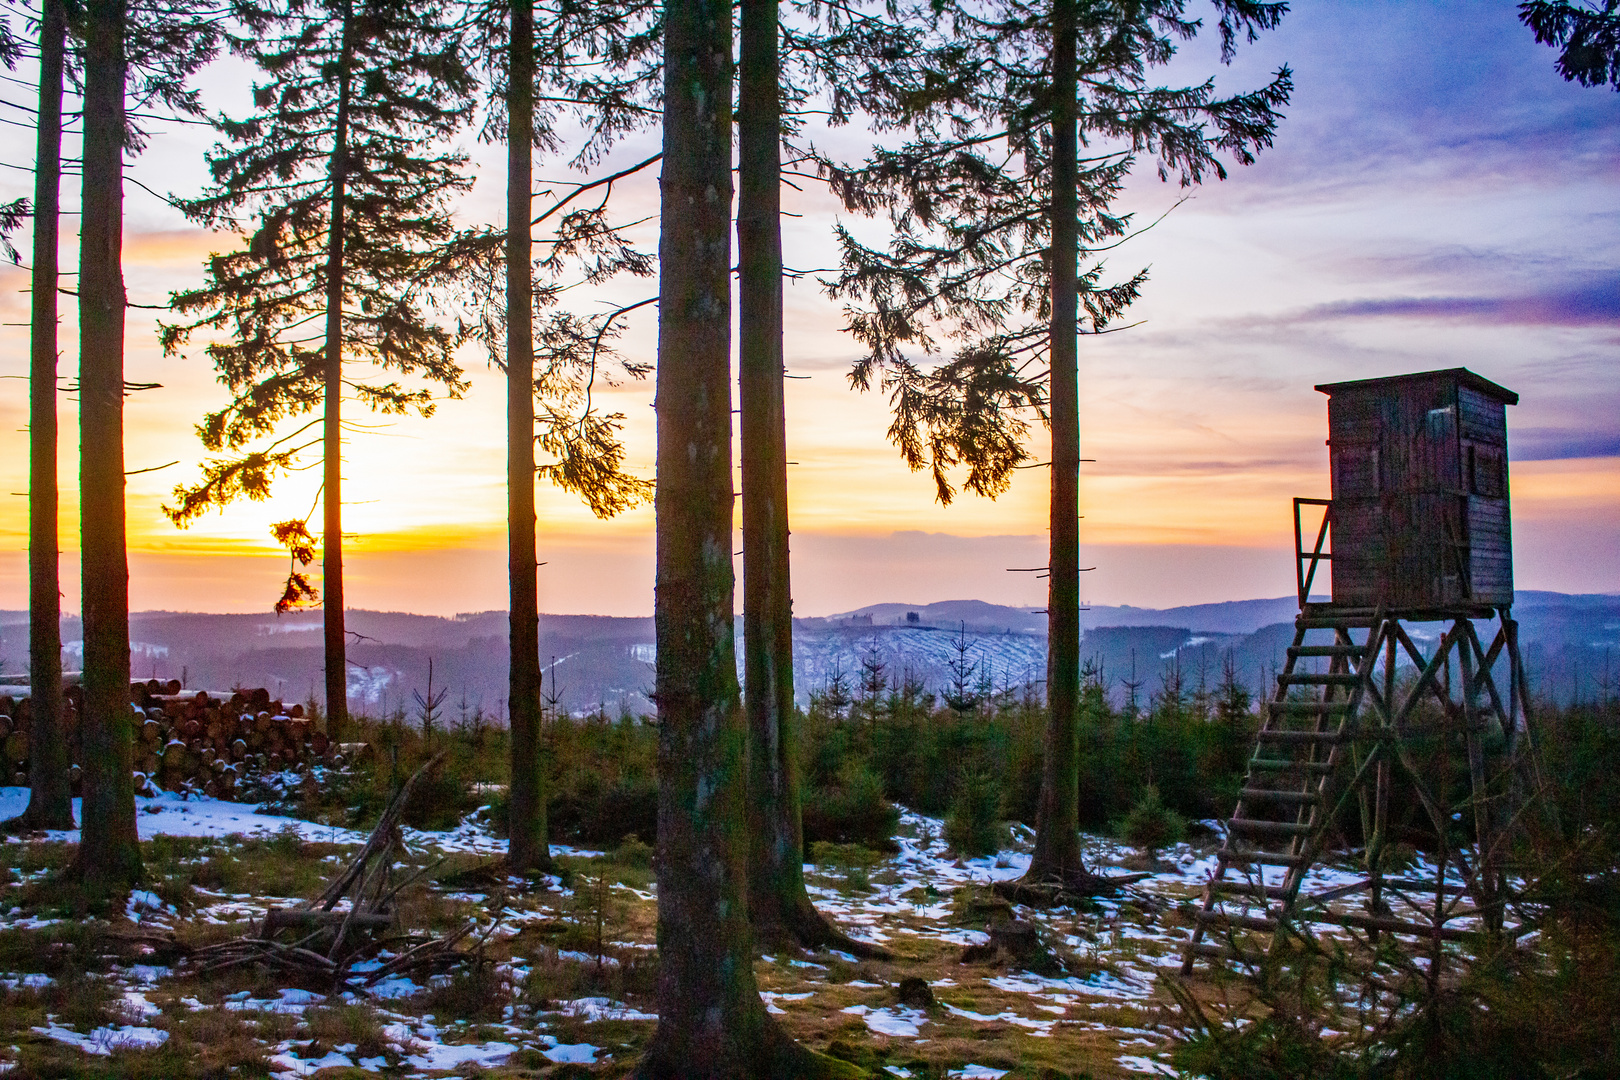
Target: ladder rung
x,y
1261,858
1269,828
1334,622
1328,679
1286,735
1246,922
1326,650
1312,768
1250,888
1308,708
1274,795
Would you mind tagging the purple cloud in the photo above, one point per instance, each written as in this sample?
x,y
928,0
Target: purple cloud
x,y
1558,444
1588,304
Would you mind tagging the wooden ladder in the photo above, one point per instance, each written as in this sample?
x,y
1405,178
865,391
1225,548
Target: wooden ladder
x,y
1285,796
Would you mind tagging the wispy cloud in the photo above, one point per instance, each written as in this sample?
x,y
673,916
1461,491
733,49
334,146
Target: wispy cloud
x,y
1591,303
1561,444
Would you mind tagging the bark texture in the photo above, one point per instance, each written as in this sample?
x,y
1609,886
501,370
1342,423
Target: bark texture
x,y
109,850
527,847
711,1020
337,658
50,798
1057,855
778,904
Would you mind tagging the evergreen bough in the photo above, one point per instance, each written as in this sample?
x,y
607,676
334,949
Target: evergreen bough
x,y
339,185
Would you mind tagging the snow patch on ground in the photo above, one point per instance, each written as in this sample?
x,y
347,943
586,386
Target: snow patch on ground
x,y
896,1020
105,1040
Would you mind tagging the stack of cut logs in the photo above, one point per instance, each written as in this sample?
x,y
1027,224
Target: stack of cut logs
x,y
199,740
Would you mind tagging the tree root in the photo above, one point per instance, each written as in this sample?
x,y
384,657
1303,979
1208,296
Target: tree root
x,y
34,820
807,927
776,1056
1057,891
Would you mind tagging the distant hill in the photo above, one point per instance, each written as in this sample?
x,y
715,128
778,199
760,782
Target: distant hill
x,y
1231,617
1571,645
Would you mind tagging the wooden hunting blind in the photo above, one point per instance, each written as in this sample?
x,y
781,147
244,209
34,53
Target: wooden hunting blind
x,y
1420,491
1381,735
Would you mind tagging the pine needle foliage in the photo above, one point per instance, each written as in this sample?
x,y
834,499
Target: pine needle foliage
x,y
385,81
1586,35
596,79
968,196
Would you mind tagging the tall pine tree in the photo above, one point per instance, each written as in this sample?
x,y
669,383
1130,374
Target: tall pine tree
x,y
527,847
340,186
711,1019
160,44
562,61
163,44
50,798
1027,117
109,854
821,52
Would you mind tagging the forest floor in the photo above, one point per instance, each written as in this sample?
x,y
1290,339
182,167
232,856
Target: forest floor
x,y
567,989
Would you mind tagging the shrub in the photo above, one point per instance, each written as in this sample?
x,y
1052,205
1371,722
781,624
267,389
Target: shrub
x,y
854,812
604,813
1151,825
632,852
973,826
438,802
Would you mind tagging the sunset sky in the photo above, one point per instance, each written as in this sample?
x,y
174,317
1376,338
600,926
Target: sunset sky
x,y
1437,197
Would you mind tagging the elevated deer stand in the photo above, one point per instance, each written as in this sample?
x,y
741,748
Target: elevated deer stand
x,y
1419,527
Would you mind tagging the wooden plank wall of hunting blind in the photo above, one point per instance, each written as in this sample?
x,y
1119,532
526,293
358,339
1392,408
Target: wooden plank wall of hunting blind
x,y
1420,491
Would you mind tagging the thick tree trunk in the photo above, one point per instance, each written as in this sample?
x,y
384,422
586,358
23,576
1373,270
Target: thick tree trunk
x,y
1057,827
778,904
109,851
526,849
50,799
711,1021
337,659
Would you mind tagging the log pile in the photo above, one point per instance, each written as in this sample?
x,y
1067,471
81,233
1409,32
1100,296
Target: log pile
x,y
197,740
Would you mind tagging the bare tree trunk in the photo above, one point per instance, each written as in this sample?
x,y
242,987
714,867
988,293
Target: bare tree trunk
x,y
337,660
109,852
1057,825
50,800
777,901
711,1021
526,847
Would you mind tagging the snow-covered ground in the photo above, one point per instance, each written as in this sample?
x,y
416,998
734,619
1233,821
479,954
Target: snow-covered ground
x,y
909,902
170,814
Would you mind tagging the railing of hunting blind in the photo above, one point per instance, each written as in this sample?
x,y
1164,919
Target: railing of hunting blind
x,y
1304,573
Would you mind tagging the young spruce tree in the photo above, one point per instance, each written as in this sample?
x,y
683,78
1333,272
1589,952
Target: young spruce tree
x,y
1027,117
340,188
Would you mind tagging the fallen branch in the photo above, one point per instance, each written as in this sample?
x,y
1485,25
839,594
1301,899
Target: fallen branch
x,y
350,934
